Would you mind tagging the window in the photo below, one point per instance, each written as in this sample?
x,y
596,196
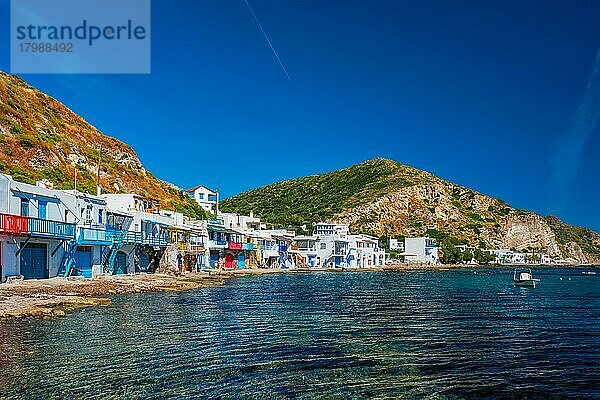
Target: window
x,y
25,207
100,215
42,206
201,196
212,197
323,246
88,215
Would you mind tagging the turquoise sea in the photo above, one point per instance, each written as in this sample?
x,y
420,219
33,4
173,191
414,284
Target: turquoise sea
x,y
417,335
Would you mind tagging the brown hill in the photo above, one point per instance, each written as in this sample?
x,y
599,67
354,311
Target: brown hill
x,y
41,138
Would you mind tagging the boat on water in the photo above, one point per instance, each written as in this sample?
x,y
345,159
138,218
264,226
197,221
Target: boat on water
x,y
523,277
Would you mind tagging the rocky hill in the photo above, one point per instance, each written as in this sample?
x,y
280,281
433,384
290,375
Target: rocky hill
x,y
41,138
386,198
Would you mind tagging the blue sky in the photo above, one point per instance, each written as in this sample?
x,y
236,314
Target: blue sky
x,y
500,97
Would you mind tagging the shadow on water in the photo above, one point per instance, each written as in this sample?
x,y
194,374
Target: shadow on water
x,y
415,334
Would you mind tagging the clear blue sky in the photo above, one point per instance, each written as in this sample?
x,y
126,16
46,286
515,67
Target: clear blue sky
x,y
485,94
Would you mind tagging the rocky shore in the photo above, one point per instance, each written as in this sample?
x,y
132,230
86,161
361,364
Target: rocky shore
x,y
53,297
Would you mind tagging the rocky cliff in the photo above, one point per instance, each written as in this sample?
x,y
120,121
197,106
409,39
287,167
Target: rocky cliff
x,y
384,197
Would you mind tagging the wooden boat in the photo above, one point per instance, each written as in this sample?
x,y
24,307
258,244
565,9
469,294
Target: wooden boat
x,y
523,277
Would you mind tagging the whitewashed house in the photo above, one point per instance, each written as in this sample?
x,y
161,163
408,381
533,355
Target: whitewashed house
x,y
207,198
421,250
141,246
35,236
365,251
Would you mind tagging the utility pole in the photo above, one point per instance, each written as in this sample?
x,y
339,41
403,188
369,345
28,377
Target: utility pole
x,y
217,205
98,188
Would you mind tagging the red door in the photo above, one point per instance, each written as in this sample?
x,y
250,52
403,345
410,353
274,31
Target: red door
x,y
229,260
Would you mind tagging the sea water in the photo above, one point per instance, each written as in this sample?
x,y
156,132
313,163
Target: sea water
x,y
416,334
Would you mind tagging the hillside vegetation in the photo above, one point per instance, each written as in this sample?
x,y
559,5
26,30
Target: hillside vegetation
x,y
320,197
386,198
41,138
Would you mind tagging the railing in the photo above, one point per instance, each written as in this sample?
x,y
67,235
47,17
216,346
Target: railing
x,y
282,248
47,228
234,246
151,240
197,247
216,221
92,235
215,243
248,246
13,224
128,237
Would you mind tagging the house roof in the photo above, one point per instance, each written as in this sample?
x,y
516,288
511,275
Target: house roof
x,y
198,187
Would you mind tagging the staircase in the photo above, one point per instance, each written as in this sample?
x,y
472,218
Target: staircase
x,y
110,254
67,263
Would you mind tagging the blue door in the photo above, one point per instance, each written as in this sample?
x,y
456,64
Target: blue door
x,y
241,260
83,260
34,261
120,264
214,258
144,262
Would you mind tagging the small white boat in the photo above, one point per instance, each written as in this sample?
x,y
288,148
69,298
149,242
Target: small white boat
x,y
522,277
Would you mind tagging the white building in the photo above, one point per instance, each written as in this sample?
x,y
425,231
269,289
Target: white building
x,y
146,233
395,244
207,199
506,256
421,250
240,222
365,252
34,232
326,229
331,245
90,214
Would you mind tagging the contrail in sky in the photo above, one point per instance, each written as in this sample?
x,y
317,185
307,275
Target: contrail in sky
x,y
268,41
568,150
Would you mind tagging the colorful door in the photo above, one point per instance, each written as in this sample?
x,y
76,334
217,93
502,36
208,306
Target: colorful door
x,y
214,259
120,264
229,260
144,262
83,260
241,260
34,261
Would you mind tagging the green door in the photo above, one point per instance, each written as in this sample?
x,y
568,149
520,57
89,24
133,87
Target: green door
x,y
120,264
34,261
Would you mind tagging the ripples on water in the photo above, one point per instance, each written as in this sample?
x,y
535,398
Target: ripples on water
x,y
419,334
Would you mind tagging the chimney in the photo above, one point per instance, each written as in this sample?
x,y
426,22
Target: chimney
x,y
251,214
98,190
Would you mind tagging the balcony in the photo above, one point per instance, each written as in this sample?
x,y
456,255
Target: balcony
x,y
234,246
50,229
13,224
217,244
216,221
95,236
248,246
152,240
